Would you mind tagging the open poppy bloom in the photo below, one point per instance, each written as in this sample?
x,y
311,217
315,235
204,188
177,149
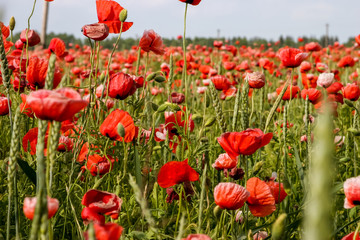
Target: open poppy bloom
x,y
98,165
352,192
245,142
174,172
57,105
292,57
121,86
109,127
108,12
151,41
350,236
108,231
224,162
351,92
315,95
197,237
278,195
256,79
176,119
192,2
289,94
261,201
95,31
4,106
220,82
57,46
230,195
30,205
101,202
36,73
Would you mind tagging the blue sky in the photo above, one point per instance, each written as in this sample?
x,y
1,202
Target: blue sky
x,y
254,18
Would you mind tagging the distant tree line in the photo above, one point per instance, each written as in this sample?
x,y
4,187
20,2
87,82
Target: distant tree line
x,y
127,43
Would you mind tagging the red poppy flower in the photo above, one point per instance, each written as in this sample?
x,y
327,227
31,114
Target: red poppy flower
x,y
108,12
228,195
24,108
351,92
312,47
110,125
352,192
325,80
4,30
197,237
96,31
57,46
314,95
350,236
261,201
174,172
245,142
89,215
334,88
292,57
176,97
357,39
65,144
192,2
58,105
172,120
102,202
229,65
256,79
31,138
151,41
305,66
121,86
108,231
98,165
30,204
4,106
32,37
36,73
224,162
294,91
221,82
274,187
346,61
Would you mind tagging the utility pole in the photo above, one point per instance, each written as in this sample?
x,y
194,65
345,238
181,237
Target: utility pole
x,y
327,35
218,34
44,23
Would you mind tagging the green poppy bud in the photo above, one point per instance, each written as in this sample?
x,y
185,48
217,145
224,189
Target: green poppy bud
x,y
123,15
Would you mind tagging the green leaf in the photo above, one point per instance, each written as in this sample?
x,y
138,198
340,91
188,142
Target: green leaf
x,y
30,173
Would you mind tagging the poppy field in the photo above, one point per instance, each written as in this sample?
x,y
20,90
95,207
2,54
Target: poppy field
x,y
184,143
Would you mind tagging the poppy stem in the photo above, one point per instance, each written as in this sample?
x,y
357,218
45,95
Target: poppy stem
x,y
27,37
236,108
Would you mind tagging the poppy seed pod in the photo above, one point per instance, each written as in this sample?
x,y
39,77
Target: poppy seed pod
x,y
230,196
96,31
32,36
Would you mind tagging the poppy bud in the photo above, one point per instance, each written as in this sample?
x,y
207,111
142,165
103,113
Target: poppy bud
x,y
96,31
210,121
196,117
32,37
154,106
151,76
123,15
162,108
121,130
278,227
12,23
217,212
159,79
174,107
